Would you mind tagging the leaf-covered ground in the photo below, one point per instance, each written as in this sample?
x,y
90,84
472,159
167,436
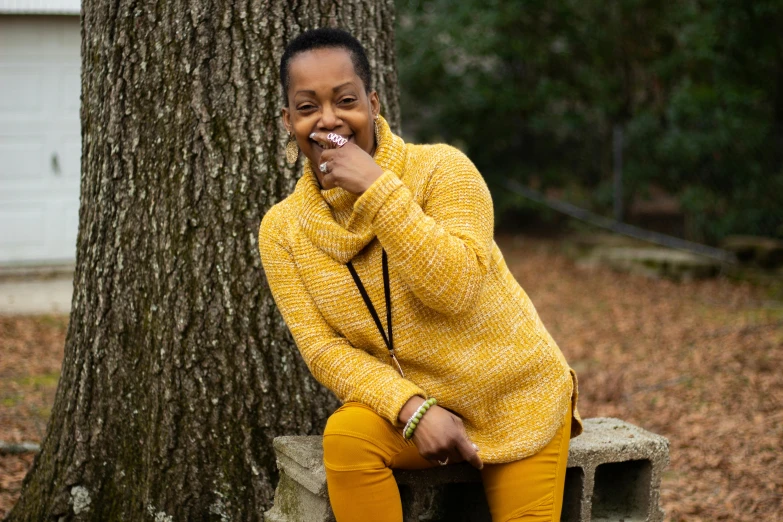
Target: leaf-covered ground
x,y
31,353
698,362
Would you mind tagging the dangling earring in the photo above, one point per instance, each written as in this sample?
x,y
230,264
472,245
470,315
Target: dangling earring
x,y
291,149
377,131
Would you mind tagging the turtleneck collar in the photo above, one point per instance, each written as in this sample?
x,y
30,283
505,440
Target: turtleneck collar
x,y
328,218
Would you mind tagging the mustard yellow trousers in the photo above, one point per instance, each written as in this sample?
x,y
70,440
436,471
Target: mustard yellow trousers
x,y
361,449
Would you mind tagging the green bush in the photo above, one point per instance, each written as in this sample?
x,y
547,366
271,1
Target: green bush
x,y
532,91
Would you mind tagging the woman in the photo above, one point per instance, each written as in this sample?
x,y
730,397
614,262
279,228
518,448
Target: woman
x,y
383,265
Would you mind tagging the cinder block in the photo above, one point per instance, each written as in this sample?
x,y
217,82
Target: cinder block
x,y
614,473
614,469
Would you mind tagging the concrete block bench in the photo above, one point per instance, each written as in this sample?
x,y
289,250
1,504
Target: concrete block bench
x,y
614,474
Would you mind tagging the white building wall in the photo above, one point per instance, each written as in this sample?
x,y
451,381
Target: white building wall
x,y
40,138
40,7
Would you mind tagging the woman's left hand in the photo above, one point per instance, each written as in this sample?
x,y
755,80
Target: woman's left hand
x,y
348,167
440,436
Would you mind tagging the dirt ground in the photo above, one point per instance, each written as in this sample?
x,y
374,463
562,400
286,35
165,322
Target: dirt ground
x,y
698,362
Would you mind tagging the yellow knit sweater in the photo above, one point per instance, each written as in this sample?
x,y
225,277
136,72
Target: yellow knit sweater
x,y
464,330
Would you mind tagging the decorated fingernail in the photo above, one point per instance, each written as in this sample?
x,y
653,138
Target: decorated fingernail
x,y
312,135
336,139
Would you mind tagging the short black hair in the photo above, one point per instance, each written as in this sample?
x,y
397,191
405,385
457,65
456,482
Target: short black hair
x,y
324,38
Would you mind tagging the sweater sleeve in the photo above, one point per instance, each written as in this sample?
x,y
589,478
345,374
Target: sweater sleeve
x,y
441,249
351,373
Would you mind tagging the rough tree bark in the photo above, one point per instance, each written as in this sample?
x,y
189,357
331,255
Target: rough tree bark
x,y
178,370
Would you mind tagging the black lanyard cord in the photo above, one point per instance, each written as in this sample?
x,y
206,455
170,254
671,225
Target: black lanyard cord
x,y
389,340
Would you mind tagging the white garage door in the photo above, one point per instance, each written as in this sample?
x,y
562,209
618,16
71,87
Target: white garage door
x,y
40,142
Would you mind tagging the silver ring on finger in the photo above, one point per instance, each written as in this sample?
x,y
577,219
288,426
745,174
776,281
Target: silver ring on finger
x,y
322,167
444,461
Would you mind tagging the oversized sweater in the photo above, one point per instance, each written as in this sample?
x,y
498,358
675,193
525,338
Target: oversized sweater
x,y
465,332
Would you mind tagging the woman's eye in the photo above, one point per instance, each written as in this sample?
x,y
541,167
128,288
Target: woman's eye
x,y
347,101
306,107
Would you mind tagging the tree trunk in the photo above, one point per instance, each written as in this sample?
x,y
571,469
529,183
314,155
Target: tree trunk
x,y
178,370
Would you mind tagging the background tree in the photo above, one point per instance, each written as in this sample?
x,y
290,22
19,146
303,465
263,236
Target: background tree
x,y
178,371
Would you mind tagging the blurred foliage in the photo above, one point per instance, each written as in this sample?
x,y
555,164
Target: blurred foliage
x,y
532,90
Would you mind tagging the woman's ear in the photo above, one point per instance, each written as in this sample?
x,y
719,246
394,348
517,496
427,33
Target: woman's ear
x,y
375,104
286,119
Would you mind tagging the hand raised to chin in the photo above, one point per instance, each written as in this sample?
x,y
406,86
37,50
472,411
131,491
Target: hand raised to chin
x,y
348,166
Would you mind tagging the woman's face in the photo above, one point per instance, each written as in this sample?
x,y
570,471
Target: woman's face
x,y
326,95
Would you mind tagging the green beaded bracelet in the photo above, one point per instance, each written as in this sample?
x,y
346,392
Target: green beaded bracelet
x,y
413,422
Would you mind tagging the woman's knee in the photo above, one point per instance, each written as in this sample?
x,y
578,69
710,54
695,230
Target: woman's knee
x,y
358,438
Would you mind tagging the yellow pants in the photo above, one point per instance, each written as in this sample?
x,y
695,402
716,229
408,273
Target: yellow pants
x,y
361,449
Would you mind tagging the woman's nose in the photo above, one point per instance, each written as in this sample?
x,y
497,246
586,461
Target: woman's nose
x,y
329,118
